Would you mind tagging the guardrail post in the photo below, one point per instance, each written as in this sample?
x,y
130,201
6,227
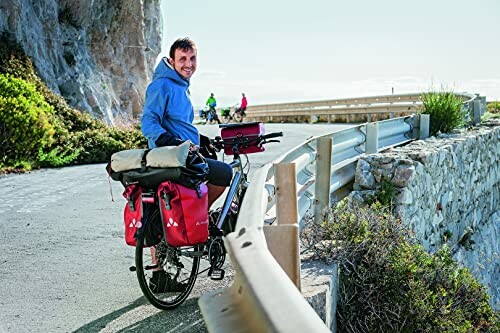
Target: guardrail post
x,y
283,239
371,143
323,175
476,115
424,125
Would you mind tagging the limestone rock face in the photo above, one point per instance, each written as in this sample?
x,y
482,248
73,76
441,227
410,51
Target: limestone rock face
x,y
98,54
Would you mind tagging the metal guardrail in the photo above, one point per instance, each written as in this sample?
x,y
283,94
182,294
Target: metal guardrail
x,y
386,104
263,298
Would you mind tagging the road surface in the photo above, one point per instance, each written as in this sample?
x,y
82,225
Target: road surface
x,y
64,263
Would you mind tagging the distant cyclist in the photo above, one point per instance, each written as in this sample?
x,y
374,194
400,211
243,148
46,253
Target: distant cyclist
x,y
211,102
243,105
211,112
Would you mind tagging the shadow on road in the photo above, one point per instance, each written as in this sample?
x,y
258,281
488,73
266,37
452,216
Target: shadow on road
x,y
140,316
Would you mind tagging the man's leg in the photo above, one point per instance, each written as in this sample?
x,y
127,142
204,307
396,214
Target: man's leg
x,y
219,178
214,192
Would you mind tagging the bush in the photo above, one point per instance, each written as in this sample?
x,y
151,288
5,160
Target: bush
x,y
493,107
75,138
445,110
24,120
390,284
97,146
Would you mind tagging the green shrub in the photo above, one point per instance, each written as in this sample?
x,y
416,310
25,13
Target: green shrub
x,y
387,283
97,146
445,110
76,136
57,157
24,120
488,116
493,107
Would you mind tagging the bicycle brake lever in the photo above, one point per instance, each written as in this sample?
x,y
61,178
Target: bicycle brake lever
x,y
267,141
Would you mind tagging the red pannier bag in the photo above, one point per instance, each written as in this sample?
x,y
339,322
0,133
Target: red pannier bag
x,y
132,214
141,217
184,212
241,133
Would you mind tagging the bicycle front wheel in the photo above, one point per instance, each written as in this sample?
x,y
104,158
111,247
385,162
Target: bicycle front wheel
x,y
167,274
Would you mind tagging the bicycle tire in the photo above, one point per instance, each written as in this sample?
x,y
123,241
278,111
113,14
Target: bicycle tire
x,y
216,117
238,117
177,287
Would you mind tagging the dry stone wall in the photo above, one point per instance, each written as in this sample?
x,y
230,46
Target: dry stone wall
x,y
446,189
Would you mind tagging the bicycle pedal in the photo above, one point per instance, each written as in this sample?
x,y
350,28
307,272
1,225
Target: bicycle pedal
x,y
216,274
132,268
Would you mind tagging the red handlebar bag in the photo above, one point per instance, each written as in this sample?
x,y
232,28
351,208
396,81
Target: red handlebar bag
x,y
244,135
184,212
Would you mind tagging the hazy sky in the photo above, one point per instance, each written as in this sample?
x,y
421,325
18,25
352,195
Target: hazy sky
x,y
284,51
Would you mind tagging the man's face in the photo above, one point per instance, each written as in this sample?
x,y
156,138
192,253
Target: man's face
x,y
184,62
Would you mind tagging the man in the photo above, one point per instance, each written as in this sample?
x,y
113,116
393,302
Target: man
x,y
211,102
168,111
212,113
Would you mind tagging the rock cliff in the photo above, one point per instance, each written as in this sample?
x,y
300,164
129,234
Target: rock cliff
x,y
98,54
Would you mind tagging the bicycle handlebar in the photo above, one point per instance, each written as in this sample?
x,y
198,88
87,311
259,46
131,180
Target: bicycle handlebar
x,y
272,135
259,140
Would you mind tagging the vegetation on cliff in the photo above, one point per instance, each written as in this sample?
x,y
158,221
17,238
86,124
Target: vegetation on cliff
x,y
39,129
388,283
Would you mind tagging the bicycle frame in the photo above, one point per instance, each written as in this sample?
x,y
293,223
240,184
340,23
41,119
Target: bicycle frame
x,y
238,182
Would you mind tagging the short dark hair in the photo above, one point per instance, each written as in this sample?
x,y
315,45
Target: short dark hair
x,y
184,44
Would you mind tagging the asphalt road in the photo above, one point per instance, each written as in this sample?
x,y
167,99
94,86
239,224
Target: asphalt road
x,y
64,263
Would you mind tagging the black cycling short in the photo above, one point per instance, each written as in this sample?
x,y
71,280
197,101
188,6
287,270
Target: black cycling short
x,y
220,173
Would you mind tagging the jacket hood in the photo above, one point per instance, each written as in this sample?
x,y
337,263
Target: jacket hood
x,y
164,70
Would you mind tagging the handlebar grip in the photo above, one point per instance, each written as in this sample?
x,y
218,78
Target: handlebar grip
x,y
272,135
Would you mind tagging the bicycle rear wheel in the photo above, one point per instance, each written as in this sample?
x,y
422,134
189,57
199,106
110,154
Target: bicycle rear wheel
x,y
167,274
238,117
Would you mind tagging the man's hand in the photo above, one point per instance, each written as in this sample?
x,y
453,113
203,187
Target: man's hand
x,y
212,147
193,147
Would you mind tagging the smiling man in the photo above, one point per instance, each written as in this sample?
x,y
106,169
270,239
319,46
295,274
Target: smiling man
x,y
168,114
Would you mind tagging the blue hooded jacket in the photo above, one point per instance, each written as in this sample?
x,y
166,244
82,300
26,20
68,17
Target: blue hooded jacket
x,y
168,109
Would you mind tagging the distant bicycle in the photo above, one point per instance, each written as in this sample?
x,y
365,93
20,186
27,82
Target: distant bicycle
x,y
209,114
232,114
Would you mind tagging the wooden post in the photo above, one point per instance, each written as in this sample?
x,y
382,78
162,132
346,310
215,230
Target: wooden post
x,y
323,175
283,239
286,193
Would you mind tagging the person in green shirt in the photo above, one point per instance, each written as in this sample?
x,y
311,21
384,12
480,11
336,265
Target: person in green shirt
x,y
212,114
211,102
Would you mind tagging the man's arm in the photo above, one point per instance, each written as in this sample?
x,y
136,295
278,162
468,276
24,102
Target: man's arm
x,y
154,108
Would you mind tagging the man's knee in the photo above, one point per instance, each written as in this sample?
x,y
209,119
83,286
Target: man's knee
x,y
220,173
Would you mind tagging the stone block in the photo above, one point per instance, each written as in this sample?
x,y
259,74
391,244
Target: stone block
x,y
319,282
